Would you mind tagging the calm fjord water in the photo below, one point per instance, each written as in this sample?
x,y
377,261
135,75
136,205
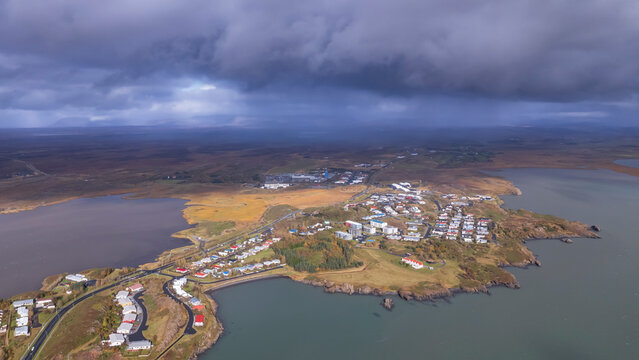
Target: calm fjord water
x,y
82,234
582,304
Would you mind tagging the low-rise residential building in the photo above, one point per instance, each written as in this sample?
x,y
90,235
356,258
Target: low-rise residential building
x,y
115,340
414,263
125,328
139,345
411,238
129,309
369,230
45,303
22,311
22,321
136,288
378,224
353,224
127,301
199,320
129,318
343,235
21,331
390,230
76,278
20,303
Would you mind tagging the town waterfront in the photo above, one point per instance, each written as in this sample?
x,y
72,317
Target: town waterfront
x,y
82,234
582,303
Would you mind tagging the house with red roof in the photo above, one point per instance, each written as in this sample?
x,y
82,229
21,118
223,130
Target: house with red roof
x,y
414,263
199,320
135,288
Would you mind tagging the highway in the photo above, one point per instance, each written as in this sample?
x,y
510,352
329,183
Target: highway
x,y
42,336
48,328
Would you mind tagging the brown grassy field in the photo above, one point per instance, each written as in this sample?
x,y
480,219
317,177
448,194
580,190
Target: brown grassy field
x,y
248,207
385,271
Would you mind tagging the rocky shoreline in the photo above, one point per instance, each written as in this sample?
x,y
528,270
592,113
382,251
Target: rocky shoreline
x,y
350,289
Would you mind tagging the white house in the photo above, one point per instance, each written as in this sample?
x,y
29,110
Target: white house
x,y
378,224
19,303
343,235
125,328
125,301
76,277
129,318
129,309
122,294
21,331
116,340
139,345
22,311
22,321
275,186
414,263
390,230
45,303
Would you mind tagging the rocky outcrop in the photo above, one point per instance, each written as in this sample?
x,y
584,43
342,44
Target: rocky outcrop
x,y
387,303
538,263
595,228
566,240
345,288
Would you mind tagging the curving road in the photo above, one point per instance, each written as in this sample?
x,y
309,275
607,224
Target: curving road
x,y
42,336
48,328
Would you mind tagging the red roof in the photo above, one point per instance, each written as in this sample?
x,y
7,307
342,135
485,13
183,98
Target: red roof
x,y
199,318
412,261
180,270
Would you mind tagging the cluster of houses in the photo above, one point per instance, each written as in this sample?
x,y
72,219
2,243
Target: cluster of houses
x,y
279,181
215,266
374,227
313,229
350,178
463,198
22,314
405,203
130,312
224,269
76,278
195,303
3,325
414,263
130,308
453,225
22,317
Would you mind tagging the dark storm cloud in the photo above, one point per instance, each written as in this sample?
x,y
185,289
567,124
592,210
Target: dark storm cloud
x,y
82,54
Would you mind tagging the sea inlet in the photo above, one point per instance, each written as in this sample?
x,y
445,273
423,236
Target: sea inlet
x,y
85,233
583,303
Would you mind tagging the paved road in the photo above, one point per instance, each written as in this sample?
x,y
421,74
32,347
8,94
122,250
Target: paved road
x,y
188,329
137,336
48,328
238,277
258,230
44,333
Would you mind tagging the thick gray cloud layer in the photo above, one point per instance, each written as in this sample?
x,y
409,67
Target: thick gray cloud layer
x,y
237,61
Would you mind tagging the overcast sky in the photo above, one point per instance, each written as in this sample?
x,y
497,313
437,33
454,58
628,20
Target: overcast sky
x,y
310,63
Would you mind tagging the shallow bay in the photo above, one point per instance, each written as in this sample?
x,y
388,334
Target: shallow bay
x,y
85,233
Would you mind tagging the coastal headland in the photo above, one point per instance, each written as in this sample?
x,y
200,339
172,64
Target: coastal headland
x,y
419,223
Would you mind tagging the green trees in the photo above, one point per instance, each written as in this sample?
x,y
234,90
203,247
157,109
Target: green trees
x,y
110,320
314,255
